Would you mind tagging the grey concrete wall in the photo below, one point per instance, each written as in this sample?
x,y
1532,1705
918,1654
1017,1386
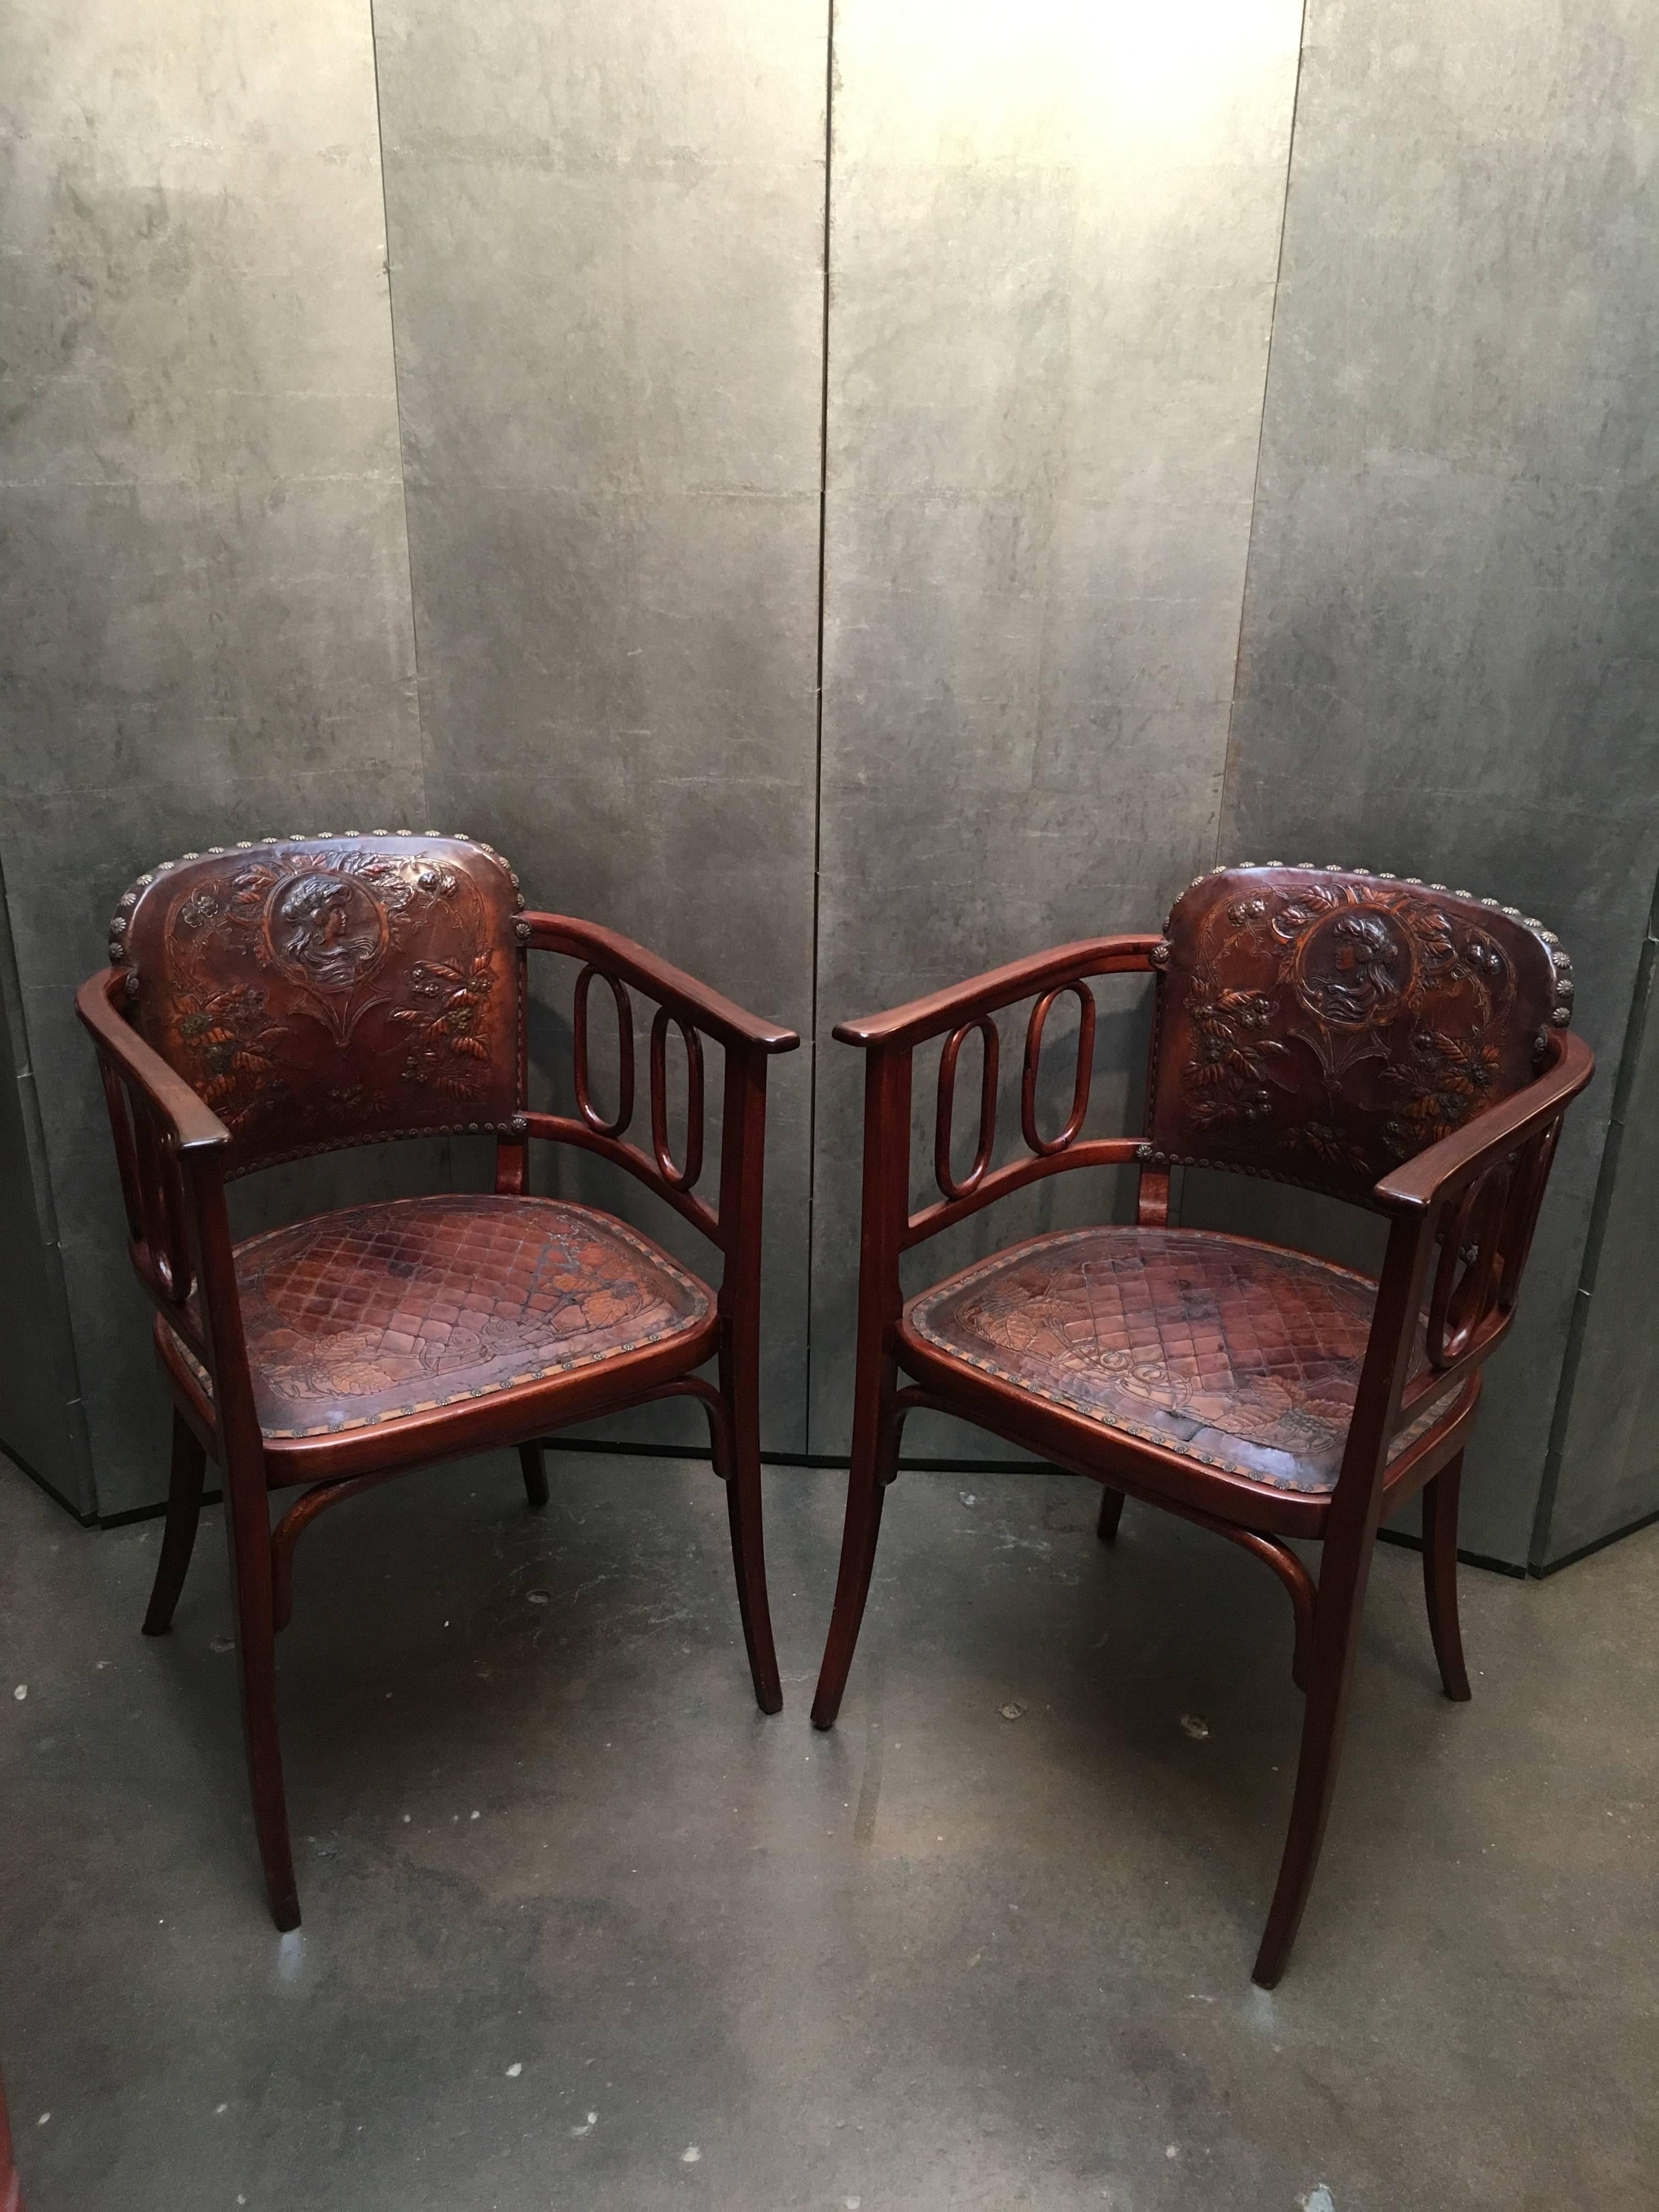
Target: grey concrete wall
x,y
606,231
1053,241
1105,597
204,608
1449,653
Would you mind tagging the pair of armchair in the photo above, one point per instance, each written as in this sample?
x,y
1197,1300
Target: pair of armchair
x,y
1390,1043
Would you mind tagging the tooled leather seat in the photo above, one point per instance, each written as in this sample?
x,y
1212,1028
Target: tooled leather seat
x,y
1241,1356
379,1312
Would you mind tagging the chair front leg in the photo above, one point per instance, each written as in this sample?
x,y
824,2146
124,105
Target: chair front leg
x,y
1111,1512
247,1530
740,1370
1337,1611
876,1421
1440,1575
184,1512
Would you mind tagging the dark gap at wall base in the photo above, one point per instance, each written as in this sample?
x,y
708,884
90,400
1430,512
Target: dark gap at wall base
x,y
83,1520
1410,1543
1601,1544
830,1463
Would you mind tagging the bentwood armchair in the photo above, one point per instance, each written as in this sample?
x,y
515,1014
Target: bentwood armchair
x,y
292,997
1386,1042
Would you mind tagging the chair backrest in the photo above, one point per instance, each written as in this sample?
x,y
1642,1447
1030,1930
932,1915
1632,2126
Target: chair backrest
x,y
319,992
1320,1025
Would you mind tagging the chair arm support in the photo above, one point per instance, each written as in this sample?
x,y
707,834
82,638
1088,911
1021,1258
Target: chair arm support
x,y
999,986
612,953
191,1121
1425,1180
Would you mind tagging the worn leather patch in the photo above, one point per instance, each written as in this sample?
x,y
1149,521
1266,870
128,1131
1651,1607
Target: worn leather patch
x,y
381,1311
1235,1354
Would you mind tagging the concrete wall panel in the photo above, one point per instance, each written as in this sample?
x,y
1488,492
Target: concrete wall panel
x,y
607,231
1448,660
205,607
1054,239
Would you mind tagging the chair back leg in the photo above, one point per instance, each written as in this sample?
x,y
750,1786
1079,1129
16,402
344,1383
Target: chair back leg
x,y
533,1460
247,1530
184,1511
1111,1512
1440,1575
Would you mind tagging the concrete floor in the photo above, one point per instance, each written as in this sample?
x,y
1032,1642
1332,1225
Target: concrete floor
x,y
583,1930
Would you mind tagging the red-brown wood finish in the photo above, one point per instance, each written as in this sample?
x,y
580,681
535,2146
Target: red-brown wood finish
x,y
11,2192
1397,1044
292,997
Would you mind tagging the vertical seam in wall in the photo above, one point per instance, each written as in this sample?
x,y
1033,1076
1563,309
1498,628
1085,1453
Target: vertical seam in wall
x,y
817,756
76,1436
1261,434
398,406
1607,1177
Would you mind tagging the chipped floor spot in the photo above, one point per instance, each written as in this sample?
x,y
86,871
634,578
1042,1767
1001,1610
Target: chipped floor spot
x,y
967,1498
691,2155
1194,1725
219,2110
1318,2199
538,1597
21,1692
1171,2150
221,1643
43,2117
515,2069
1012,1710
592,2120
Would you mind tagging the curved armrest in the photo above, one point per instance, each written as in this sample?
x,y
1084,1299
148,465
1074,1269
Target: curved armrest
x,y
1423,1181
191,1121
670,987
1000,987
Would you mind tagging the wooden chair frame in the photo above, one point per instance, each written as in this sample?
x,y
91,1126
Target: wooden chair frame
x,y
173,1151
1478,1189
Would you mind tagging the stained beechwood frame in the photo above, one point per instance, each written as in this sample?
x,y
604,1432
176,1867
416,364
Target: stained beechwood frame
x,y
268,1000
1395,1044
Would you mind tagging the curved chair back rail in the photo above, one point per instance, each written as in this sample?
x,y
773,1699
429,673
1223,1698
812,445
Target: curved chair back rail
x,y
1390,1042
296,995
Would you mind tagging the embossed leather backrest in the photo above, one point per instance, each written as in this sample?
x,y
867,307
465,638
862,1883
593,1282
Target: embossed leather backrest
x,y
1320,1025
326,991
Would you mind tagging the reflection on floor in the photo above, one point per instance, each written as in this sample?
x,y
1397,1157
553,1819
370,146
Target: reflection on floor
x,y
584,1930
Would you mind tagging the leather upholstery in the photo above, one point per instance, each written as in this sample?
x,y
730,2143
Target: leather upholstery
x,y
1322,1025
379,1311
325,991
1235,1354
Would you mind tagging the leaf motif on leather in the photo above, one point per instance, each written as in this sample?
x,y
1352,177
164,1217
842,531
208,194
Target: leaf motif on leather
x,y
1324,1026
325,991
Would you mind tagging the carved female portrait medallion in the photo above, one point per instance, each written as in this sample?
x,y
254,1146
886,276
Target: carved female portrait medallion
x,y
1354,968
327,931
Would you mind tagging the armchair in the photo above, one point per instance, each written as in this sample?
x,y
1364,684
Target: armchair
x,y
1388,1043
292,997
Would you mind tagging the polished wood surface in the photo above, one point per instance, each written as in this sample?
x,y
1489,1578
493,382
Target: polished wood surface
x,y
1392,1043
273,1000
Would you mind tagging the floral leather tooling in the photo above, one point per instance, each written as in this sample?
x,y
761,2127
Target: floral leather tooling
x,y
1319,1026
317,992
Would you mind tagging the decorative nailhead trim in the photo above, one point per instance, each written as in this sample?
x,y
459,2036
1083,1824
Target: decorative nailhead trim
x,y
129,897
1561,1014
